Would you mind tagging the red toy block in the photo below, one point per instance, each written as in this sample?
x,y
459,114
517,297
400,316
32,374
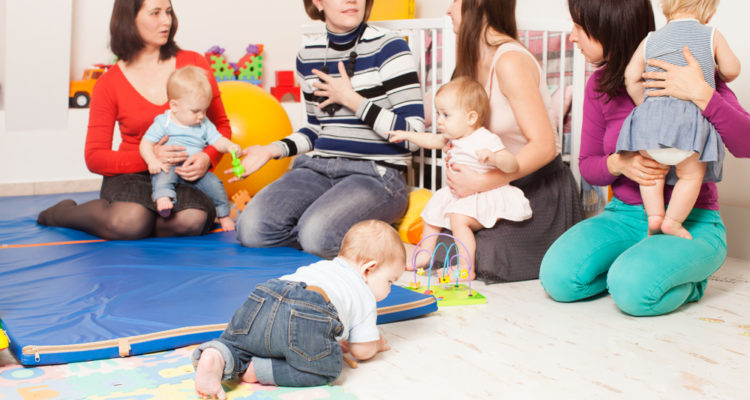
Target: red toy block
x,y
284,85
284,78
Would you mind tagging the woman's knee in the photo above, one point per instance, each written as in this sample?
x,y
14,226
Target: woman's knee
x,y
321,239
256,228
188,222
128,222
556,278
557,273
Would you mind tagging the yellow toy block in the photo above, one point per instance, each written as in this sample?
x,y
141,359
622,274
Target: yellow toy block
x,y
384,10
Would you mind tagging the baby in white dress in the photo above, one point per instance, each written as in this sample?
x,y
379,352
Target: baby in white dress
x,y
462,107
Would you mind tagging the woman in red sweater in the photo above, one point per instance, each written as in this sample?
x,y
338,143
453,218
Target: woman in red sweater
x,y
131,94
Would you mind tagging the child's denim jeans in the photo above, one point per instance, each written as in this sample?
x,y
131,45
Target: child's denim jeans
x,y
163,186
288,332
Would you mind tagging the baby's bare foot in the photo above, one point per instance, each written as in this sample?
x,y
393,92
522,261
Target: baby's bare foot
x,y
249,375
674,228
47,217
208,375
164,206
227,224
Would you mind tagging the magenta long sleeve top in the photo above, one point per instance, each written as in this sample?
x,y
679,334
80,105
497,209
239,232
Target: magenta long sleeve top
x,y
602,121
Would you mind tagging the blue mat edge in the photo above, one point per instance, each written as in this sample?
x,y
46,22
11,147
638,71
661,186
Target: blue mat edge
x,y
163,344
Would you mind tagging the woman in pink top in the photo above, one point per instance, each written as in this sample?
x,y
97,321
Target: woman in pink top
x,y
646,275
520,113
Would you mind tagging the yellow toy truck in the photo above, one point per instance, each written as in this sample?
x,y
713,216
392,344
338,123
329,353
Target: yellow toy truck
x,y
80,91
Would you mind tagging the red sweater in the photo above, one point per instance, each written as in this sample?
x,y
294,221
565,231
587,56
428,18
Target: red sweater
x,y
115,101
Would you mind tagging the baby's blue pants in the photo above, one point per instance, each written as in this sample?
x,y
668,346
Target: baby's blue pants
x,y
646,275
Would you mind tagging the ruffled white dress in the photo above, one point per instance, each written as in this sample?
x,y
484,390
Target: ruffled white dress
x,y
506,202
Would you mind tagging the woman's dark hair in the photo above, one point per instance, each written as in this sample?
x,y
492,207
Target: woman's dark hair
x,y
126,41
500,15
620,26
314,14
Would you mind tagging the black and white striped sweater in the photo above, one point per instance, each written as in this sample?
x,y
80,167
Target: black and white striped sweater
x,y
385,74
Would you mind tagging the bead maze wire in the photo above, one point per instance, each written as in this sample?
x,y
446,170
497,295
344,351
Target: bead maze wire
x,y
448,261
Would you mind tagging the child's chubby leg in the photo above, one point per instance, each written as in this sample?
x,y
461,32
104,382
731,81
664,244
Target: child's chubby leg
x,y
227,223
463,228
653,202
425,249
208,375
690,173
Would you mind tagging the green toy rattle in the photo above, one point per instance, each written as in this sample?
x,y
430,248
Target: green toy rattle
x,y
239,170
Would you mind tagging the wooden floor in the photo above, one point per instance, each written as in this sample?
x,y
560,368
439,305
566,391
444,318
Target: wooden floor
x,y
522,345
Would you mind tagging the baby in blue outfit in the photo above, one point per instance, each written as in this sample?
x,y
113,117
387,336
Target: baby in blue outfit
x,y
189,93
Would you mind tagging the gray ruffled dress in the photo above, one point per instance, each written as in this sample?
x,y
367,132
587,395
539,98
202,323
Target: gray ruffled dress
x,y
668,122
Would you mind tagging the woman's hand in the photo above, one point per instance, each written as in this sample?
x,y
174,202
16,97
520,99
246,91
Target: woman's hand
x,y
636,167
194,167
170,154
686,83
464,181
253,158
338,90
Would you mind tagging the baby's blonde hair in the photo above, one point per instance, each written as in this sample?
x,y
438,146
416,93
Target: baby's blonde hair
x,y
373,240
189,81
470,96
703,9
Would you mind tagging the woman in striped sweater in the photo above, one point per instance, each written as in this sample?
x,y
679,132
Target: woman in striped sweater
x,y
359,82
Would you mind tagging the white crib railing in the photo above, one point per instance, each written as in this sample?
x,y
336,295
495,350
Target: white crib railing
x,y
433,44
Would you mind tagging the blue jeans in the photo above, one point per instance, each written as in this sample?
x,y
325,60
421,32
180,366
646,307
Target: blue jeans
x,y
163,186
288,332
646,275
313,205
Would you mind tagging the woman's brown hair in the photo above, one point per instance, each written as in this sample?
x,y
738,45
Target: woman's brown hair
x,y
125,41
499,15
619,26
317,15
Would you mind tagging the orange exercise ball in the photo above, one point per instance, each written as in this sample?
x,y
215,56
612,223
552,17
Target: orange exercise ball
x,y
256,117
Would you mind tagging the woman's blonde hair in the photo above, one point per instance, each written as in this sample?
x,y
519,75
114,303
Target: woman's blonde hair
x,y
703,9
373,240
189,81
470,96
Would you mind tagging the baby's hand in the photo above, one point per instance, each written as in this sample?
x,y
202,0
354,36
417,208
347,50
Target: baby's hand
x,y
155,168
237,149
484,156
398,136
383,344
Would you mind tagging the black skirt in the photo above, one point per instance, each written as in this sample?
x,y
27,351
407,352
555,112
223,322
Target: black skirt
x,y
512,251
136,188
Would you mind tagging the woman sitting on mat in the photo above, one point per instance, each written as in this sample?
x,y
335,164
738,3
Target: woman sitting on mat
x,y
131,94
646,275
520,114
359,82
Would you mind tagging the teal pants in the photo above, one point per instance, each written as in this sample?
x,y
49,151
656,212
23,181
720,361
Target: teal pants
x,y
646,275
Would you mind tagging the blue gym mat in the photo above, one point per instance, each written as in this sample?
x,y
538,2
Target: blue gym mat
x,y
86,300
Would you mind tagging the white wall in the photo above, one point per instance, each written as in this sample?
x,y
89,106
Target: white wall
x,y
2,52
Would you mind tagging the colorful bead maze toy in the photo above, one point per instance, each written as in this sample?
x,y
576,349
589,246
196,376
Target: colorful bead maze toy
x,y
449,291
